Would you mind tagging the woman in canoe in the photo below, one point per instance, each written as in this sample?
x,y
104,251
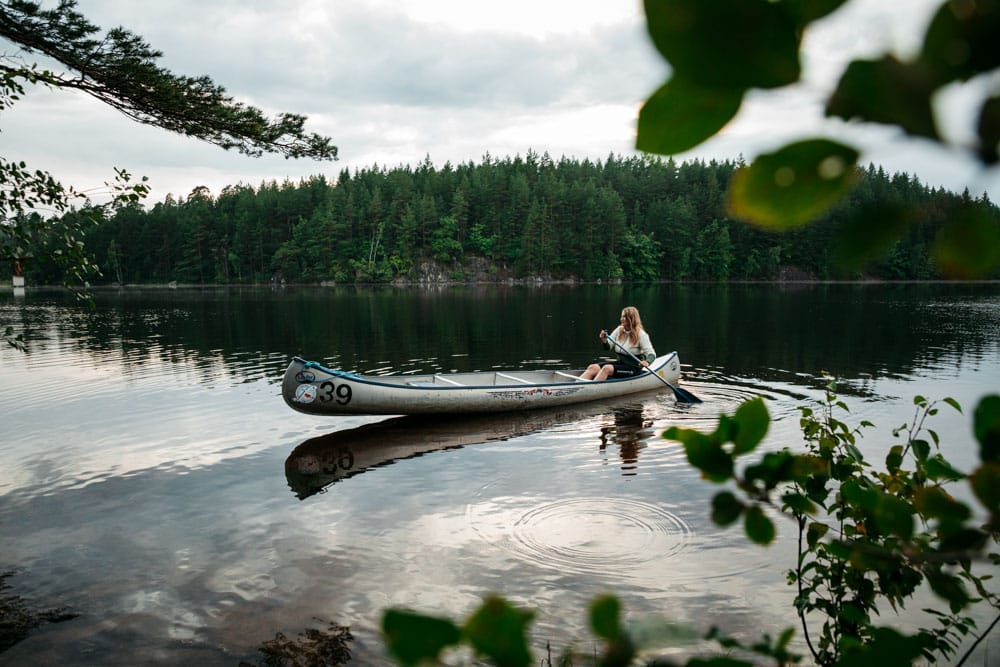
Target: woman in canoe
x,y
630,335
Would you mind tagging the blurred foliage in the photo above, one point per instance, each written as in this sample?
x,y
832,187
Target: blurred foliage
x,y
719,51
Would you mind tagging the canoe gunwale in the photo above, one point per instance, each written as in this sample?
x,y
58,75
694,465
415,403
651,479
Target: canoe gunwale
x,y
376,380
312,388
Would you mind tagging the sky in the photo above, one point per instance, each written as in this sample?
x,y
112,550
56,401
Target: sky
x,y
395,82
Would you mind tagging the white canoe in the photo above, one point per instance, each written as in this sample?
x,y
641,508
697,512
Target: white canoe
x,y
314,389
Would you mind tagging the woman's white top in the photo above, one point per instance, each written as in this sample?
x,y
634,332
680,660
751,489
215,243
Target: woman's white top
x,y
644,350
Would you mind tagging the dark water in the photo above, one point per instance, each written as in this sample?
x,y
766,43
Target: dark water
x,y
154,483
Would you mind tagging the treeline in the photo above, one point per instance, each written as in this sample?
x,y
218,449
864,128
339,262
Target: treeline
x,y
635,218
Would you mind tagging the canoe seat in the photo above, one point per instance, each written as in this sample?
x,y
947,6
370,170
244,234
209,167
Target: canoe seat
x,y
511,377
572,377
436,382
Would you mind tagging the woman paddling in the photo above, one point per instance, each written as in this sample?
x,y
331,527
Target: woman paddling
x,y
630,335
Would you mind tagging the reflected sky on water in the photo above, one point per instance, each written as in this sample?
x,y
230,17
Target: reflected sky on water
x,y
154,481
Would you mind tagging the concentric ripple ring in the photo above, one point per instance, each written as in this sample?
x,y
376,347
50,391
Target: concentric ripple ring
x,y
587,535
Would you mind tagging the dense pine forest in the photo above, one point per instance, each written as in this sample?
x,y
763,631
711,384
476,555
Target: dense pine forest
x,y
636,219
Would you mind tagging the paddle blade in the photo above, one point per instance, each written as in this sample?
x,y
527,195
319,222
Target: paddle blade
x,y
683,395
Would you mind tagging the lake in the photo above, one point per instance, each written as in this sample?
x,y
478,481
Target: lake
x,y
155,485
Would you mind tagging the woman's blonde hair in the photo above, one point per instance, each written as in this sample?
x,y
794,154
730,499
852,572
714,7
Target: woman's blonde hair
x,y
633,323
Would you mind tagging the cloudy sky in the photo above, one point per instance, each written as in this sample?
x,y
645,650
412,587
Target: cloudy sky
x,y
396,81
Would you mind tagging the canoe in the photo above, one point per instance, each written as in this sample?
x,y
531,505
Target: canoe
x,y
314,389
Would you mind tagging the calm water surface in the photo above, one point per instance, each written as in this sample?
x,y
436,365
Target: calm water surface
x,y
154,482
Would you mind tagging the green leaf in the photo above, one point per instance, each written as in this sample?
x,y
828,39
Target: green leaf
x,y
966,541
953,403
725,431
985,481
938,468
499,631
921,449
752,422
961,41
989,130
949,587
886,647
934,502
968,244
724,44
852,613
413,638
810,10
726,508
719,661
681,115
886,91
894,516
854,453
605,617
986,426
839,550
894,459
703,453
798,503
758,526
815,533
871,233
773,469
863,496
794,185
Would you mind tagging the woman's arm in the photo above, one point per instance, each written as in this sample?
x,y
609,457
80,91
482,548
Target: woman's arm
x,y
646,351
615,335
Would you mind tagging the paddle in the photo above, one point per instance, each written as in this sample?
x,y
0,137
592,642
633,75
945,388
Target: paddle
x,y
682,395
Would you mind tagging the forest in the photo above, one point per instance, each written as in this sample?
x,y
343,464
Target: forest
x,y
530,217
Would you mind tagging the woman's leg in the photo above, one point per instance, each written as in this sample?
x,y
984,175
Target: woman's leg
x,y
607,371
592,370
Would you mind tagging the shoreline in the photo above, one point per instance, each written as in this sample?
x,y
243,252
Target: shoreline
x,y
525,282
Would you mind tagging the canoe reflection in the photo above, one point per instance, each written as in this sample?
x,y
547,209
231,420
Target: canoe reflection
x,y
322,461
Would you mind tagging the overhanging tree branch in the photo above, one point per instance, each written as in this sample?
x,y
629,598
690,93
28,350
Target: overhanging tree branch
x,y
120,70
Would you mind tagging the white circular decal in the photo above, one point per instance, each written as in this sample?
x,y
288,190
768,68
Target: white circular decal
x,y
306,393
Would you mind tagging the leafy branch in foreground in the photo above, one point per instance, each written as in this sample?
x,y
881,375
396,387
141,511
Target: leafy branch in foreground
x,y
719,51
497,632
867,538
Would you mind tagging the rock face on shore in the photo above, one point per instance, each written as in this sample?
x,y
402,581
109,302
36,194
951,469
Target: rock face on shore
x,y
479,270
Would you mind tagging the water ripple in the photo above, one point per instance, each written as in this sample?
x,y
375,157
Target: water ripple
x,y
571,534
550,534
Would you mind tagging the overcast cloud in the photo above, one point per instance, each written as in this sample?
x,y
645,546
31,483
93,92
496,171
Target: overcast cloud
x,y
393,82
